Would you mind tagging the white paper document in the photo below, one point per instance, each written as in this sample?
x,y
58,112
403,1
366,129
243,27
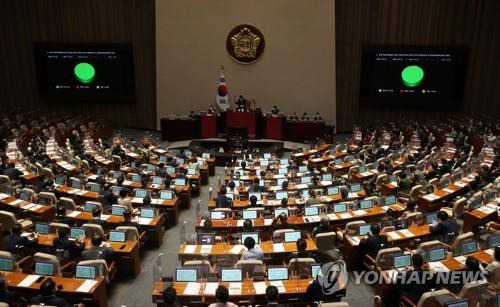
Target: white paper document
x,y
345,215
278,284
189,249
393,235
192,288
448,190
359,212
28,281
239,223
461,259
268,222
86,286
144,220
73,213
210,288
235,288
16,202
260,287
438,267
237,249
278,247
407,233
206,249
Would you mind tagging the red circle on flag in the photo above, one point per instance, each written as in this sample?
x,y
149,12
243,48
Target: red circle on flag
x,y
222,90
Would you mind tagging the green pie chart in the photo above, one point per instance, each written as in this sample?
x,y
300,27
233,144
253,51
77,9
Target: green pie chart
x,y
84,72
412,75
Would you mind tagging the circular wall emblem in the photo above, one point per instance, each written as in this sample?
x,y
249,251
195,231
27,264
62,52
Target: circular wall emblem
x,y
245,44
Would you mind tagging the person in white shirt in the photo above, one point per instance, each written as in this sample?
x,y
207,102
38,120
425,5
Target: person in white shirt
x,y
252,253
222,297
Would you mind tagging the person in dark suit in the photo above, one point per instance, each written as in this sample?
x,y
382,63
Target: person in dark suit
x,y
324,226
433,173
96,217
445,167
98,250
373,243
222,200
281,222
161,171
48,297
272,297
12,298
70,249
12,172
253,202
14,242
416,281
170,297
256,187
301,250
445,225
127,216
62,218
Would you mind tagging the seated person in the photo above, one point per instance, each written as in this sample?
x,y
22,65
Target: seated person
x,y
493,268
96,217
256,186
222,200
123,200
272,297
324,226
281,222
222,297
127,216
304,116
252,252
247,227
301,250
253,201
445,226
14,243
411,284
68,248
317,117
374,242
473,272
62,218
275,110
12,172
170,297
405,183
12,298
312,200
48,297
232,186
98,250
284,203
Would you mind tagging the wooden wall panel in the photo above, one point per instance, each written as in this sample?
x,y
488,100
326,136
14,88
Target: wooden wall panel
x,y
23,22
474,23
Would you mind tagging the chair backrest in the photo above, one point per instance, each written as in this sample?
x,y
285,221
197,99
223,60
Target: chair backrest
x,y
459,207
415,192
250,267
325,241
67,203
350,227
429,245
203,266
48,173
100,264
473,290
300,266
384,258
96,203
131,233
7,219
430,299
117,159
54,226
380,180
51,197
416,218
459,239
49,258
92,229
5,179
30,192
433,181
279,235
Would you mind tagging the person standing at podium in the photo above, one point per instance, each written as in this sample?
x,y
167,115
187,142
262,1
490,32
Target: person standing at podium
x,y
241,104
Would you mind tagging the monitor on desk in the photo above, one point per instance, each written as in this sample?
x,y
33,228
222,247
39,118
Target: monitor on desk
x,y
327,177
26,196
44,268
166,195
148,213
476,203
305,193
150,168
400,224
157,180
280,181
205,238
170,170
362,169
249,214
303,169
141,193
136,178
493,240
437,254
292,236
277,273
283,170
316,271
429,189
89,207
231,275
76,232
393,178
117,210
117,236
267,155
281,194
42,228
191,171
230,196
163,159
365,204
402,261
217,215
305,179
284,162
468,247
85,271
390,200
253,235
338,161
180,181
94,187
179,160
186,275
278,211
117,174
490,196
257,195
431,218
339,208
309,211
7,264
264,162
60,180
6,189
457,303
363,230
333,190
